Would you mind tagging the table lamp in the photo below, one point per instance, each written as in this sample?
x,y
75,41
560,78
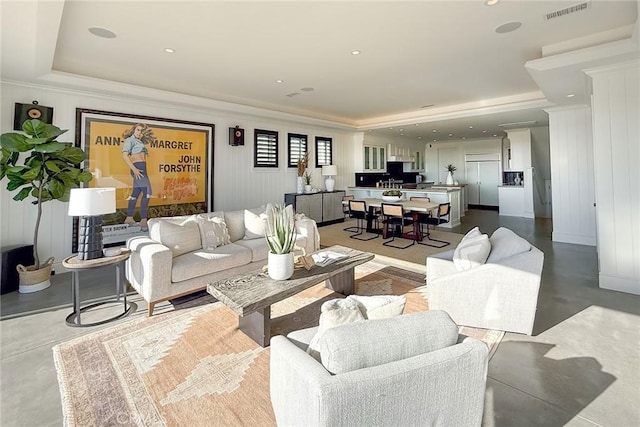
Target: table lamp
x,y
329,171
90,204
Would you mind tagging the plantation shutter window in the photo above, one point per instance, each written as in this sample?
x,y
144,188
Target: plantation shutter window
x,y
266,149
297,148
324,151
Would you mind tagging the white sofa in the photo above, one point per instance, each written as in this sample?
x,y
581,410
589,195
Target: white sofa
x,y
401,371
499,293
185,253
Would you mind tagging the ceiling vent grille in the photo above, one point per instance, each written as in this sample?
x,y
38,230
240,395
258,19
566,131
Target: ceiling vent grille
x,y
568,10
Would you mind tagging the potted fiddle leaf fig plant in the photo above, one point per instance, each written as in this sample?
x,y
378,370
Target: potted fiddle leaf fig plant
x,y
280,233
40,169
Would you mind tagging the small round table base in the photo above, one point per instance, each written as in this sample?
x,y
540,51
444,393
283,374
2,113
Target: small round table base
x,y
72,319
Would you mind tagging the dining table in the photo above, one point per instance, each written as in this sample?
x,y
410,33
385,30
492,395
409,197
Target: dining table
x,y
416,207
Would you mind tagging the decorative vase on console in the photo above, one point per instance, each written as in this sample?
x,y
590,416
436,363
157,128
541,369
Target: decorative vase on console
x,y
280,233
450,169
300,185
303,163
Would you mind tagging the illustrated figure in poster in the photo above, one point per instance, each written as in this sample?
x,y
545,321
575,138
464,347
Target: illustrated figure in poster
x,y
135,153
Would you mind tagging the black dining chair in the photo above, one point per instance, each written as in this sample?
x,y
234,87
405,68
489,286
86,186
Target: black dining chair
x,y
441,216
345,211
358,210
393,219
409,215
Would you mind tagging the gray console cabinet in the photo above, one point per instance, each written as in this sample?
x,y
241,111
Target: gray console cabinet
x,y
323,207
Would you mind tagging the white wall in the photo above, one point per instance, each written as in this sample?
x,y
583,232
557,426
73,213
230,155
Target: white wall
x,y
572,175
236,183
541,162
616,150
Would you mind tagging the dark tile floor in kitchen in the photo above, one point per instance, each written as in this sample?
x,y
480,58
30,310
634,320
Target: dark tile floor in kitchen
x,y
581,367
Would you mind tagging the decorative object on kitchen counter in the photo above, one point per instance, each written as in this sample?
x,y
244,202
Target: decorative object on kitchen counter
x,y
329,171
517,180
303,163
450,169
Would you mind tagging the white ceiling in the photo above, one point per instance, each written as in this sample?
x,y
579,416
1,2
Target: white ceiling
x,y
440,53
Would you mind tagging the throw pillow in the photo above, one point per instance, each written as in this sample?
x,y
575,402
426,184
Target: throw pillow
x,y
254,225
505,243
474,232
354,308
471,252
213,232
180,238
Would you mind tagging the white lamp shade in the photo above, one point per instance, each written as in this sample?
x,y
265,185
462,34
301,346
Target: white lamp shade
x,y
92,201
331,170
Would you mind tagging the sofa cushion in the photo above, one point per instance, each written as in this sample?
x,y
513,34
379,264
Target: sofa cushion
x,y
361,345
505,243
180,238
201,262
258,247
380,306
213,231
255,221
235,224
471,252
474,232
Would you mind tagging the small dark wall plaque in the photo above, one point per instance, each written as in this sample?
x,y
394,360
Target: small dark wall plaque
x,y
24,112
236,136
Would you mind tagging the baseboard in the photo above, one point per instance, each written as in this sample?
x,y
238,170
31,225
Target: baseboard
x,y
573,238
621,284
484,207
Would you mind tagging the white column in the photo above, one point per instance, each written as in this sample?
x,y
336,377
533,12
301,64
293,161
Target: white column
x,y
572,185
616,148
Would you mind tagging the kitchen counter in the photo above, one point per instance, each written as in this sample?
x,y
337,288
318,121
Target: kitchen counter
x,y
451,195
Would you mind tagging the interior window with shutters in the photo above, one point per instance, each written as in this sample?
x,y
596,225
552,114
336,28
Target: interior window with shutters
x,y
266,149
297,148
324,151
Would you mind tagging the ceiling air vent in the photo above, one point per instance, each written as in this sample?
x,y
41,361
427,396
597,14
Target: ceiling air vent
x,y
568,10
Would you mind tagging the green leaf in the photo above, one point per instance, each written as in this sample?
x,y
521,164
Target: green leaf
x,y
15,184
85,176
16,172
52,166
39,129
56,188
50,147
15,142
22,194
73,155
46,196
38,141
31,174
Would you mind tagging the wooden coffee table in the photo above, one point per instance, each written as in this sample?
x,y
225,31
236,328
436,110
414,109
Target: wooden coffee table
x,y
251,295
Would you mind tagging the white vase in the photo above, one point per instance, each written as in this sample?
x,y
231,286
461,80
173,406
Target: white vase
x,y
307,189
280,266
449,180
300,185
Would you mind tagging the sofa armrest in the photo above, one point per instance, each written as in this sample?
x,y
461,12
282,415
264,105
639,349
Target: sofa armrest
x,y
308,228
440,264
148,269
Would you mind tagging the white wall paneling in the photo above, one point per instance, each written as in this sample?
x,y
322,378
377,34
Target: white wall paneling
x,y
237,184
616,148
572,175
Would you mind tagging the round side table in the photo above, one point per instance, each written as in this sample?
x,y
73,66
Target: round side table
x,y
76,266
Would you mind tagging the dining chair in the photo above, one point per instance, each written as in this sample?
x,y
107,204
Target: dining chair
x,y
441,217
345,211
358,210
419,215
393,216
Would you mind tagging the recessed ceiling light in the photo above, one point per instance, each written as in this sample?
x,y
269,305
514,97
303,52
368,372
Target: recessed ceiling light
x,y
570,95
508,27
450,134
435,140
279,81
402,134
390,128
169,50
470,127
464,137
419,137
355,52
484,131
417,124
102,32
434,131
491,2
401,130
495,134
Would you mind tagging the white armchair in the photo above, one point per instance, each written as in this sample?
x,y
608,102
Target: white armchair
x,y
499,294
404,370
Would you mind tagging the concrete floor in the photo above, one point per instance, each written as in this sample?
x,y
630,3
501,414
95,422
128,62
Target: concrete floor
x,y
580,368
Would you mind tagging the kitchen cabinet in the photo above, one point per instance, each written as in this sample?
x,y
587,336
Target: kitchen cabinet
x,y
375,159
323,207
399,154
520,145
483,179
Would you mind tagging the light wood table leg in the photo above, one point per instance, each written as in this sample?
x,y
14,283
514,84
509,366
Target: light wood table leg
x,y
257,326
342,283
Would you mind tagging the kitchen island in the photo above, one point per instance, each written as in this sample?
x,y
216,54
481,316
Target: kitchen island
x,y
437,195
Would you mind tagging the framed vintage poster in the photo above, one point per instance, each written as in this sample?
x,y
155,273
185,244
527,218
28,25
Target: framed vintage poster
x,y
159,167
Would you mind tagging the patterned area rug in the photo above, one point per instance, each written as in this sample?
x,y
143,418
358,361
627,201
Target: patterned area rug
x,y
192,366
